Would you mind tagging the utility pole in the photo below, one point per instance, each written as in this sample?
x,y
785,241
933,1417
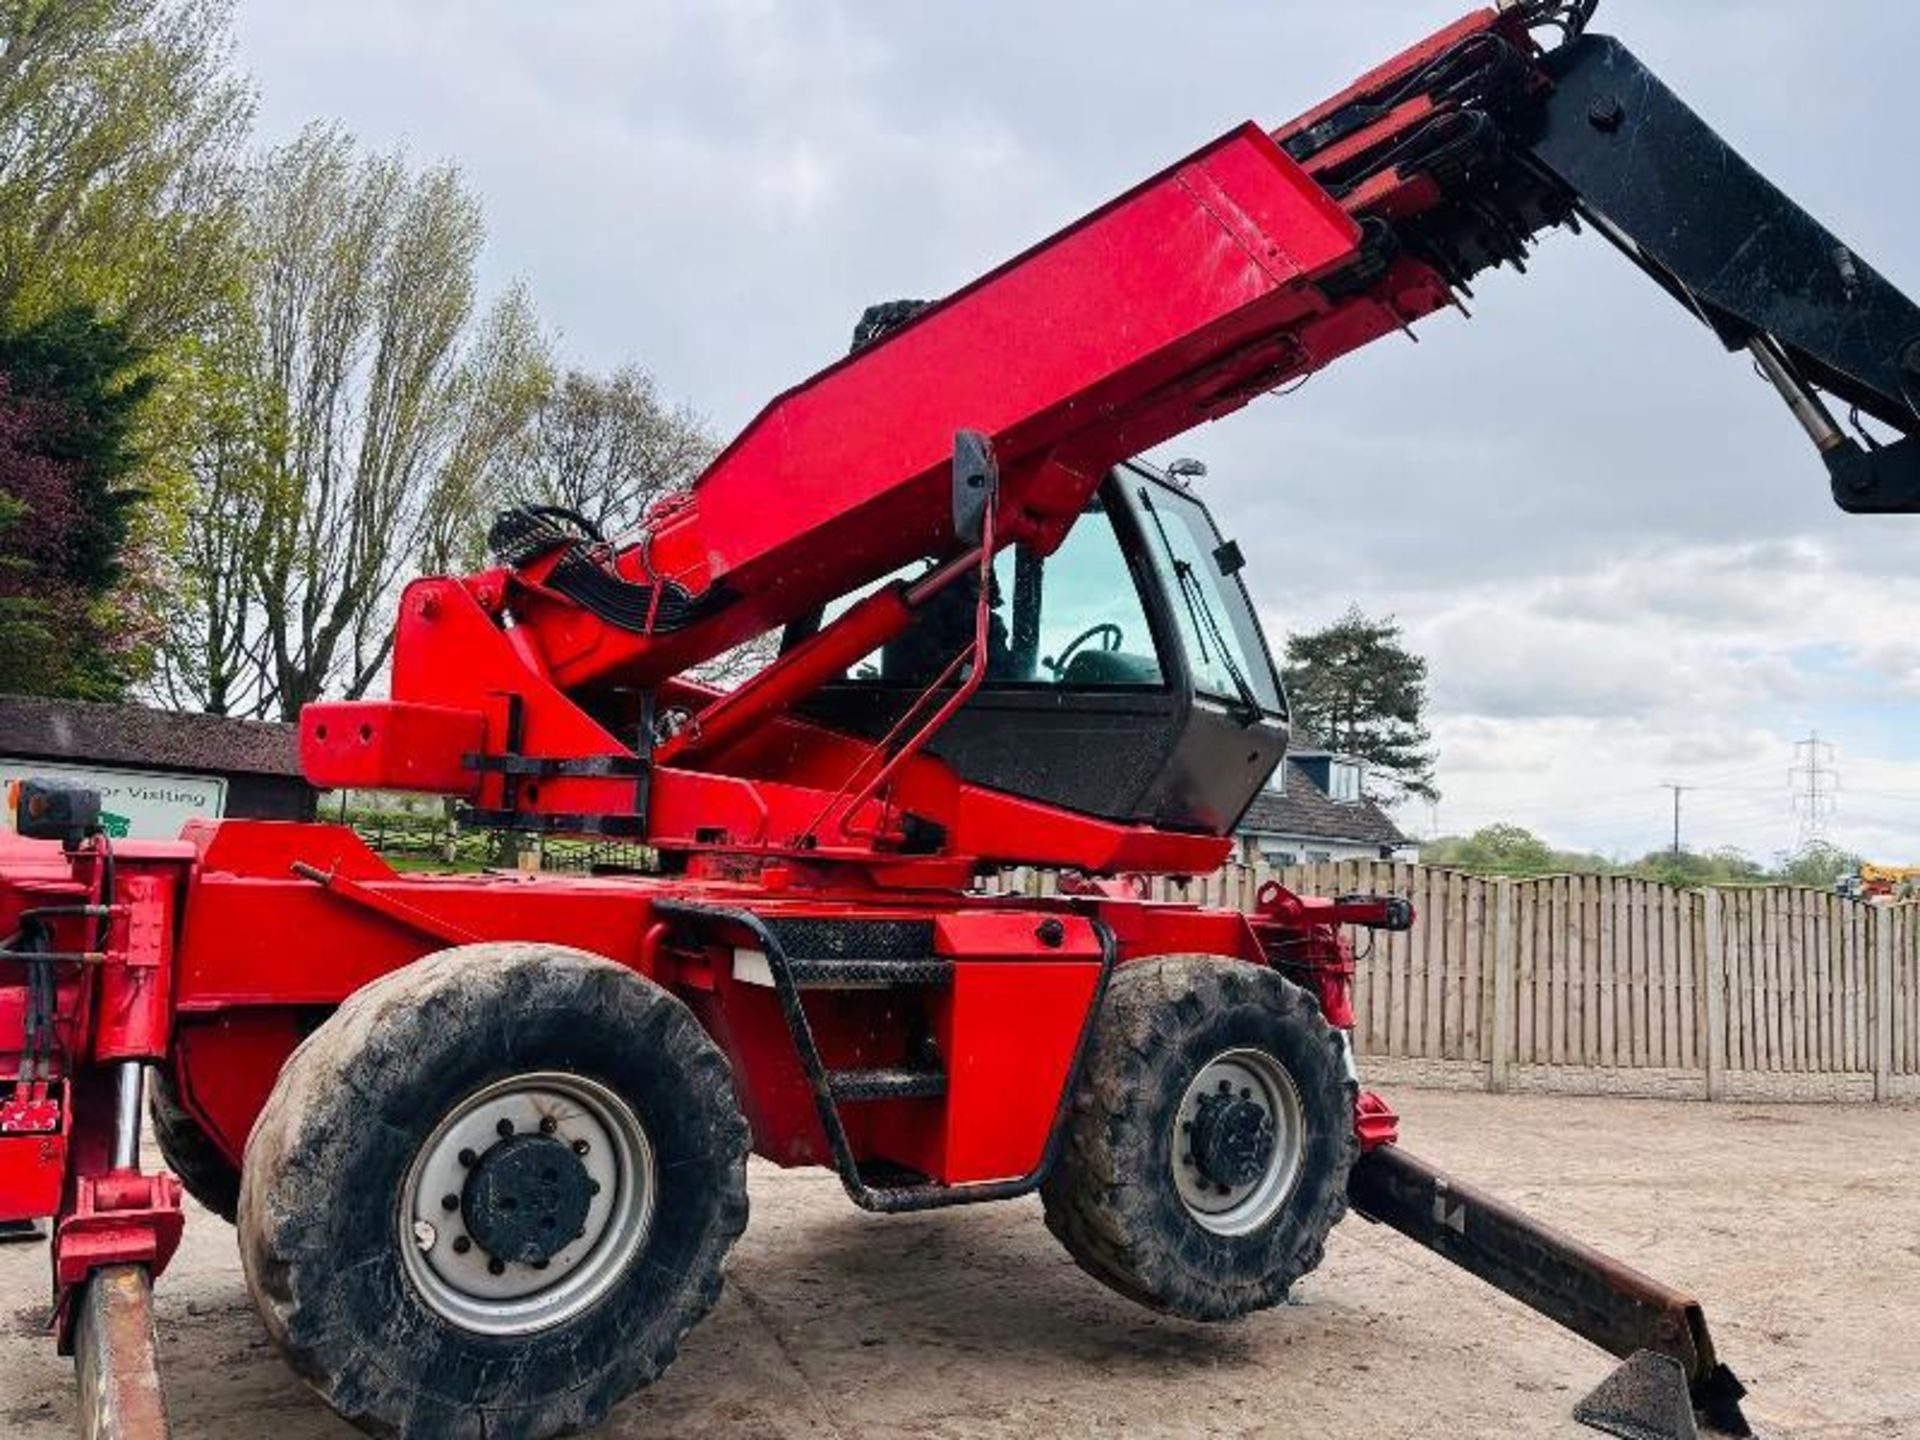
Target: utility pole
x,y
1816,788
1678,791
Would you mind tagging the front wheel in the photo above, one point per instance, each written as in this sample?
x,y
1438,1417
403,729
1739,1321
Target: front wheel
x,y
1210,1139
492,1192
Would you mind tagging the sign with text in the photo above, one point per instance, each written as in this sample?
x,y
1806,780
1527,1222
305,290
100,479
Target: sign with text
x,y
134,804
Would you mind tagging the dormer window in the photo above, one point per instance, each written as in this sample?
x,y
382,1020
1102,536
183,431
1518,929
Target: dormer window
x,y
1344,782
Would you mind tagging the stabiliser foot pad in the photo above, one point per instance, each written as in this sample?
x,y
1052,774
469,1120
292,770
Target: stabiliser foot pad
x,y
1645,1399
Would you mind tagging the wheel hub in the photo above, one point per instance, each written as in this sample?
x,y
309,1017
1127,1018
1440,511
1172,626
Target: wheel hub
x,y
1238,1142
1233,1140
526,1199
527,1203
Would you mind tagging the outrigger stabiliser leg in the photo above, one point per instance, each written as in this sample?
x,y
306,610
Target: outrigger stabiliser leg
x,y
1672,1386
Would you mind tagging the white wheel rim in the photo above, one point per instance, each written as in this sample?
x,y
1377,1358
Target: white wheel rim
x,y
462,1283
1257,1078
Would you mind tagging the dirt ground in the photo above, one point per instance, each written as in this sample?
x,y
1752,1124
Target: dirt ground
x,y
1799,1225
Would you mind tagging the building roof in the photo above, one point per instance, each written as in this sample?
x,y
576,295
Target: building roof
x,y
1306,812
131,735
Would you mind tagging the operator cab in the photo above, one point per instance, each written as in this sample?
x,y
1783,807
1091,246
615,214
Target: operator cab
x,y
1127,674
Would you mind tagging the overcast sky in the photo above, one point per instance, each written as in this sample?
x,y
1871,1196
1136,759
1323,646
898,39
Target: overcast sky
x,y
1608,538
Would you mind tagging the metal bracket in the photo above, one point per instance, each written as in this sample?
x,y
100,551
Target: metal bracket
x,y
976,485
1877,482
592,767
1645,1399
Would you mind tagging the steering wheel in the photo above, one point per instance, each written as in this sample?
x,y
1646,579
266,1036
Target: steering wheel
x,y
1110,636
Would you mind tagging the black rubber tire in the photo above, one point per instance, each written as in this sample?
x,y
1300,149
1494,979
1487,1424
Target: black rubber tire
x,y
1111,1199
203,1167
879,321
325,1165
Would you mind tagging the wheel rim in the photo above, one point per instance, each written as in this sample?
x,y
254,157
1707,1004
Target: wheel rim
x,y
1239,1137
556,1173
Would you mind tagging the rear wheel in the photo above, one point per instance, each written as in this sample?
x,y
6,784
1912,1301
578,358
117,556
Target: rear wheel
x,y
489,1196
203,1167
1210,1140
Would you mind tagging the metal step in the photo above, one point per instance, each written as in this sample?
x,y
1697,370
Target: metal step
x,y
866,972
888,1083
895,1186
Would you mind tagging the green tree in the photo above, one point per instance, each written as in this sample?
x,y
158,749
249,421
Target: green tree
x,y
1819,865
1692,870
120,122
1494,850
71,387
1358,690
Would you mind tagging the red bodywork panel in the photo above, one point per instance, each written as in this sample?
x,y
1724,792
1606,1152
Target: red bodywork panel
x,y
1006,1027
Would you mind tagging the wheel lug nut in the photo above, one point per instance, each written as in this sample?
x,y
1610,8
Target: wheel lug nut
x,y
580,1147
449,1203
461,1244
496,1266
504,1128
593,1187
1246,1093
541,1264
548,1125
1226,1087
469,1159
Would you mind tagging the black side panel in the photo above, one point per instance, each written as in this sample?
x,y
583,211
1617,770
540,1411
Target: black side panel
x,y
1093,753
1741,251
1218,767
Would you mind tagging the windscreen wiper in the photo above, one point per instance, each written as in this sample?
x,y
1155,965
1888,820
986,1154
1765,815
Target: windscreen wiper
x,y
1206,625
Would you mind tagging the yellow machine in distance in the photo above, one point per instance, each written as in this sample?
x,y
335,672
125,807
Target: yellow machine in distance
x,y
1885,883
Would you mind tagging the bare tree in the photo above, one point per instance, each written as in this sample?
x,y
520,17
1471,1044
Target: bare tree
x,y
360,425
609,446
215,654
374,406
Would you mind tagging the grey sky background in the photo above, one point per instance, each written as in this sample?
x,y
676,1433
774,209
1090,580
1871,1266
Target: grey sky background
x,y
1606,535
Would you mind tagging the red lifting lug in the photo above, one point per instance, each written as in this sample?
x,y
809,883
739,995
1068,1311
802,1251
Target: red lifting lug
x,y
1375,1123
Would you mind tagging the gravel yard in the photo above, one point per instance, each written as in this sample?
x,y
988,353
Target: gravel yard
x,y
1798,1225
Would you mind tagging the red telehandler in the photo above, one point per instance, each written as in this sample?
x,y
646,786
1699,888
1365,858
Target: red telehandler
x,y
484,1137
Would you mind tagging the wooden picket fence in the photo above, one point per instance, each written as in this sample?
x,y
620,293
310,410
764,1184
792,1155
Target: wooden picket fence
x,y
1610,983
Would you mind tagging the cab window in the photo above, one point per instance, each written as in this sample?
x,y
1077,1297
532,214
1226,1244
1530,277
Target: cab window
x,y
1071,620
